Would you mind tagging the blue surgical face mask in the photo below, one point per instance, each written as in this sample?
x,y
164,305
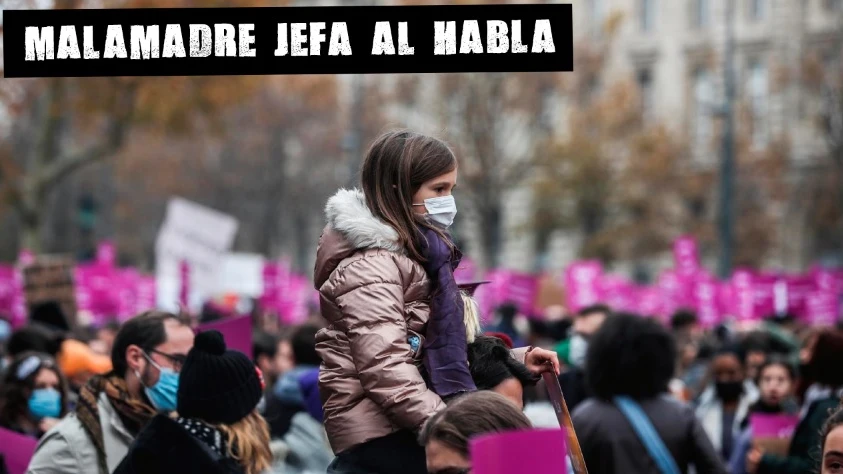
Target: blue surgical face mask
x,y
163,394
45,403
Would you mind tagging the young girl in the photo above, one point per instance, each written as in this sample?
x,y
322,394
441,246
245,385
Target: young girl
x,y
396,341
775,383
831,444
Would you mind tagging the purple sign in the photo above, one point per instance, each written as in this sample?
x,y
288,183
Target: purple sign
x,y
17,450
743,296
534,451
822,307
706,301
106,254
765,425
685,255
236,331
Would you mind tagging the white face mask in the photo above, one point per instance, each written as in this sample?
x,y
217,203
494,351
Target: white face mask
x,y
441,210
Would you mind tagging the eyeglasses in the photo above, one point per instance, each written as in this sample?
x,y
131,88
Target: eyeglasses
x,y
452,470
176,360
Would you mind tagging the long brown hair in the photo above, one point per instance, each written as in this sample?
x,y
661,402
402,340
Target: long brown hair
x,y
247,441
395,167
472,415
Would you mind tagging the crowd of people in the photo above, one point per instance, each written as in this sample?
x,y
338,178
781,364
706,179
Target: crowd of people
x,y
396,373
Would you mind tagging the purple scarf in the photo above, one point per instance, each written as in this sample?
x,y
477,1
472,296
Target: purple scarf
x,y
445,346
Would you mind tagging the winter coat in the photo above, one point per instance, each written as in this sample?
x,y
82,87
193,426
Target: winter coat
x,y
67,448
376,301
610,445
286,400
307,450
165,447
710,413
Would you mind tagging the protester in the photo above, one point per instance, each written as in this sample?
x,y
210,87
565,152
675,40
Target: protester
x,y
148,353
33,396
822,365
384,271
493,368
446,436
507,321
572,352
266,354
296,389
831,443
630,361
756,345
34,338
775,383
217,428
725,402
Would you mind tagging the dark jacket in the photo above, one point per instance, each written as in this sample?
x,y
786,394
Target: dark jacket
x,y
804,452
165,447
574,387
610,445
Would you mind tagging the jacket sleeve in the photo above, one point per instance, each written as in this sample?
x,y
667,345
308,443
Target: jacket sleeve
x,y
54,455
704,457
373,320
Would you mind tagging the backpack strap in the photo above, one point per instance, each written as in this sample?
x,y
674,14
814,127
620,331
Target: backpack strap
x,y
647,434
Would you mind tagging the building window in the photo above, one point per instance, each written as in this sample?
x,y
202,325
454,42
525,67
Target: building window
x,y
644,78
758,82
703,101
699,13
757,9
646,14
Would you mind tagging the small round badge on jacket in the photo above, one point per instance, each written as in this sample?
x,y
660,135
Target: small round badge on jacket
x,y
415,342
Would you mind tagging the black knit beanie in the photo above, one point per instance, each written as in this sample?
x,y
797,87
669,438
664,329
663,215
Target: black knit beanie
x,y
216,385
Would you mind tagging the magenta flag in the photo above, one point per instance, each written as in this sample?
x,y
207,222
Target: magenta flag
x,y
17,450
743,296
822,307
676,292
764,295
533,451
581,284
106,253
706,301
236,331
617,292
649,302
686,255
522,289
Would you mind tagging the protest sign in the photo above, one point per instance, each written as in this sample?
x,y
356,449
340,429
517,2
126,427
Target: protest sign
x,y
242,273
685,255
236,331
773,432
581,284
17,450
195,234
50,278
534,451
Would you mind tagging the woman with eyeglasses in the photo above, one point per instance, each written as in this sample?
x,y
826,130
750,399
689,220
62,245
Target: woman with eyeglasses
x,y
33,397
446,436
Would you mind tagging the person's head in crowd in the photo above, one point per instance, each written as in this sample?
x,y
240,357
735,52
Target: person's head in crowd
x,y
630,355
775,383
149,352
685,323
51,315
756,345
831,443
33,396
493,368
222,388
265,353
447,435
303,345
34,338
588,320
821,359
728,373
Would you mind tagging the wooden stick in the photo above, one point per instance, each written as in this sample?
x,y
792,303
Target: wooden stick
x,y
554,390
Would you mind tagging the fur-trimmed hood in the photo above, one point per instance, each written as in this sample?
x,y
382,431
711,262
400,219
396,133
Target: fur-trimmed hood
x,y
351,227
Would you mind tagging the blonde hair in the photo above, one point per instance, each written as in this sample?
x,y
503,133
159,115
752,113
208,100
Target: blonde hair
x,y
247,442
471,317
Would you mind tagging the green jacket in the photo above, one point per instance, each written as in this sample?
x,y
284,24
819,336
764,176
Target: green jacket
x,y
563,350
805,450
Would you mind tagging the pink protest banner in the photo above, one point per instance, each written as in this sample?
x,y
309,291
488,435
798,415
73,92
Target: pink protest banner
x,y
676,291
466,271
533,451
798,288
488,296
184,291
822,308
649,301
686,256
617,292
145,297
705,300
522,289
581,284
773,432
763,293
106,254
236,331
17,450
743,296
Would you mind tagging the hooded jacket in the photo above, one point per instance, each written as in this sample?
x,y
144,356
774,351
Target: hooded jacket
x,y
375,300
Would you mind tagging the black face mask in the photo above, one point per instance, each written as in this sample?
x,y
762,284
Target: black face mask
x,y
729,391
